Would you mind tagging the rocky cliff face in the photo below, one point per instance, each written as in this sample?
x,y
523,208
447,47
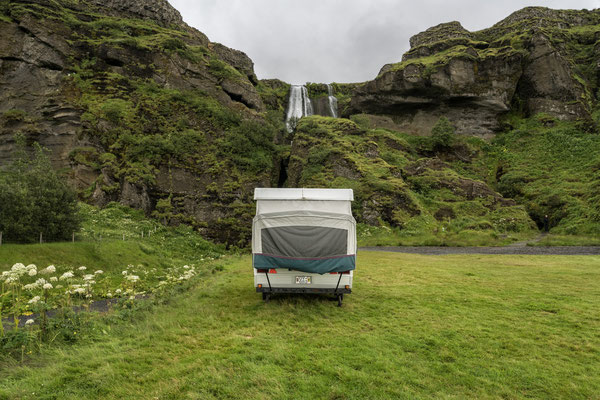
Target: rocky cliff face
x,y
537,60
141,109
133,102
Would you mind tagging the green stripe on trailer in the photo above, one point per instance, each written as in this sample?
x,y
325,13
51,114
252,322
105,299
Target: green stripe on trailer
x,y
318,266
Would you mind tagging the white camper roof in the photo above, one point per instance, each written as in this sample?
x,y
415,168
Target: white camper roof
x,y
303,194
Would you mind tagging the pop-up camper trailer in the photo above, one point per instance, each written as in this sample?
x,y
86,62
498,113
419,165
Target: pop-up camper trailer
x,y
303,241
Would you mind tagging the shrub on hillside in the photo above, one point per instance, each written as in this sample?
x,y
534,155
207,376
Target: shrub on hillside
x,y
34,199
442,134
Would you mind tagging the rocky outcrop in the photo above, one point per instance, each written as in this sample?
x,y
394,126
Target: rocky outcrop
x,y
95,72
32,92
237,59
157,10
473,78
438,34
415,95
548,83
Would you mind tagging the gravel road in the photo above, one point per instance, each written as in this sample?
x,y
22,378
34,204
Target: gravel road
x,y
508,250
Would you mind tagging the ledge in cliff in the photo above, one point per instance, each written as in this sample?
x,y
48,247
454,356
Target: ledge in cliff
x,y
532,58
157,10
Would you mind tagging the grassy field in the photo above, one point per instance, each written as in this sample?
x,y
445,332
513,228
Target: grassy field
x,y
415,327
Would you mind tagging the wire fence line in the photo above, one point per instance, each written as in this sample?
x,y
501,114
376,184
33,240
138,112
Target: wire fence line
x,y
84,236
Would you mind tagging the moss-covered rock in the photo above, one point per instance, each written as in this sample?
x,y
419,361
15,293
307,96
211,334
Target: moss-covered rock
x,y
537,60
139,106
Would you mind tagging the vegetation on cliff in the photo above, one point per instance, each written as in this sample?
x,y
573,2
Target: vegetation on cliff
x,y
164,120
35,201
148,112
402,185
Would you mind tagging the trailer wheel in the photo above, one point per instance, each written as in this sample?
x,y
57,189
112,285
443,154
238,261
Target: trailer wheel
x,y
340,297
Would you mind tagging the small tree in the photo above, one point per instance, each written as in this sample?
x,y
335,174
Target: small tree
x,y
34,199
442,134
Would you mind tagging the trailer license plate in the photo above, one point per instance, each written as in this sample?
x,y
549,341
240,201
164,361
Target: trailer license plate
x,y
303,280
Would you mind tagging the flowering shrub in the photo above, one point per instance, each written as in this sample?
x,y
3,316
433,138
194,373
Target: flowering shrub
x,y
27,290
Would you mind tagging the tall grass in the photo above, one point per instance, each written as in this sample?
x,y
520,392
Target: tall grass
x,y
415,327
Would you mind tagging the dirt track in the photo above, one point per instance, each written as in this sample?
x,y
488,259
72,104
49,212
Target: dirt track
x,y
524,250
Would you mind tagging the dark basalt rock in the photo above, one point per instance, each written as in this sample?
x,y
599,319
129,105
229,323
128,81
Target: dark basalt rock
x,y
439,33
157,10
40,56
473,78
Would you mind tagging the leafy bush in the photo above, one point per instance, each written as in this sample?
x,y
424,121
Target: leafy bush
x,y
34,199
173,43
115,109
442,134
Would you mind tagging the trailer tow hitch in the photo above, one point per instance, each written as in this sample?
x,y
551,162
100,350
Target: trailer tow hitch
x,y
341,295
266,296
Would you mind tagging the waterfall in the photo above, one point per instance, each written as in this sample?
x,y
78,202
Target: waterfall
x,y
332,102
299,106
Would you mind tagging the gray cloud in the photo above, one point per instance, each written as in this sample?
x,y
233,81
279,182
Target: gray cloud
x,y
337,40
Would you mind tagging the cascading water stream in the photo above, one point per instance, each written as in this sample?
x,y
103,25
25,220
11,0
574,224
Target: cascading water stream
x,y
333,106
299,106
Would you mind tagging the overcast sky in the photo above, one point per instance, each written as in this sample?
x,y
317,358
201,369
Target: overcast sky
x,y
337,40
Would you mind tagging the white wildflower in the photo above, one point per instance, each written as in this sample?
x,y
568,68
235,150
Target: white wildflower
x,y
32,272
79,290
18,267
59,286
66,275
162,283
82,268
124,272
133,278
29,322
88,296
41,282
109,295
186,266
47,286
53,279
34,300
88,277
118,291
98,272
50,269
31,286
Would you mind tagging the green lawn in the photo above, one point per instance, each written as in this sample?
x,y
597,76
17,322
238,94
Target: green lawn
x,y
461,326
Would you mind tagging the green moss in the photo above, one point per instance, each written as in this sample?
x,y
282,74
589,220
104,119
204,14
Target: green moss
x,y
550,170
14,115
338,153
222,70
86,156
428,63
